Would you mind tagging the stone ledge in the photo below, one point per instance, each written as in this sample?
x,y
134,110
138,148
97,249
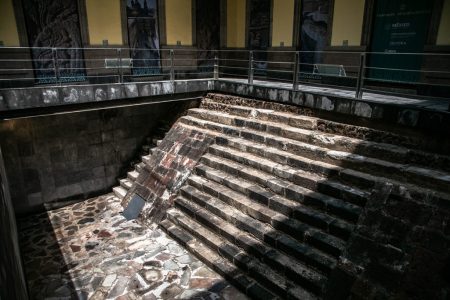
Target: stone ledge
x,y
402,112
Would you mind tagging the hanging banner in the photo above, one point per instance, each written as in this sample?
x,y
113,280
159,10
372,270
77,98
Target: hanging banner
x,y
314,33
143,36
54,24
400,26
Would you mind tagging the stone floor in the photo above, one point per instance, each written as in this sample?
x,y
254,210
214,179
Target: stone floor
x,y
90,251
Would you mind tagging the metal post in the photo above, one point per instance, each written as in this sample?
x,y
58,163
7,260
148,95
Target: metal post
x,y
119,64
55,64
172,73
250,67
216,67
360,79
295,79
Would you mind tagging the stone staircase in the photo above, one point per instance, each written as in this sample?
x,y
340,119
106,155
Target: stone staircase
x,y
274,201
147,150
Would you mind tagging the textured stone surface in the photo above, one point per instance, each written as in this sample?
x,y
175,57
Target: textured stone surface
x,y
167,169
53,158
129,261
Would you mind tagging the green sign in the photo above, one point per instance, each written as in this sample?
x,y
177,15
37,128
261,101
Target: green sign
x,y
400,26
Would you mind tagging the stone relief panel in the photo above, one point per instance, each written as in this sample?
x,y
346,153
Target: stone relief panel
x,y
208,28
54,23
143,36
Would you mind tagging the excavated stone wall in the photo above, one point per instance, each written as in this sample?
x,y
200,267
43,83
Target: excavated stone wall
x,y
51,159
398,251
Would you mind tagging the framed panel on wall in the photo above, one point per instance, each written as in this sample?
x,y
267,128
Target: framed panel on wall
x,y
315,26
54,24
207,35
259,33
143,36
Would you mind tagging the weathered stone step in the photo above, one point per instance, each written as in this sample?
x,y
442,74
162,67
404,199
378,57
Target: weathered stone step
x,y
405,155
299,121
146,158
125,183
348,176
318,201
119,191
312,181
138,167
267,265
409,174
300,231
133,175
221,265
368,149
264,206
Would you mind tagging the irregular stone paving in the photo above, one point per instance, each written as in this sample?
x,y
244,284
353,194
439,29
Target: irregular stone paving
x,y
90,251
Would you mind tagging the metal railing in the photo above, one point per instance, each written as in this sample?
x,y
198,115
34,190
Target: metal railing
x,y
353,71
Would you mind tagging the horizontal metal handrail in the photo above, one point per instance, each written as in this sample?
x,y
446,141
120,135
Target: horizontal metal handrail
x,y
96,64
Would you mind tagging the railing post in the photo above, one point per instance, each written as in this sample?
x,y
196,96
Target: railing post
x,y
360,79
55,64
216,67
172,72
250,67
119,65
295,79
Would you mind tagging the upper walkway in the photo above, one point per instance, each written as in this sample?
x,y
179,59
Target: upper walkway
x,y
344,83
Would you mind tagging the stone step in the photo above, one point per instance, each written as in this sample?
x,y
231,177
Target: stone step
x,y
126,183
119,191
266,206
221,265
133,175
139,166
348,176
146,158
282,224
330,205
329,141
146,149
404,173
295,120
368,137
309,180
268,266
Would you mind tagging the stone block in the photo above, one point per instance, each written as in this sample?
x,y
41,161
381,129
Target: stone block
x,y
408,117
362,109
131,90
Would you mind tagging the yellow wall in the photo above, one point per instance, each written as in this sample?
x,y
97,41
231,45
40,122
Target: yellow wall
x,y
104,21
347,22
179,22
443,37
236,23
283,22
8,27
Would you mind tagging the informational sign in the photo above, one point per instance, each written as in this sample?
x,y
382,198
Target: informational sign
x,y
143,36
400,26
314,33
54,24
